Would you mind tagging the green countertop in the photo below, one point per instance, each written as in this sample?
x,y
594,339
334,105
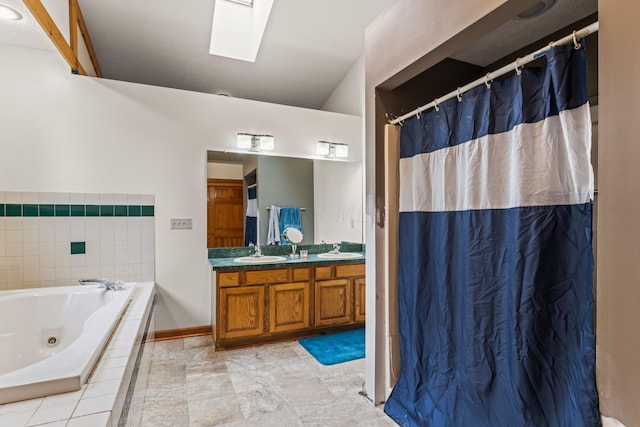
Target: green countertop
x,y
312,260
223,258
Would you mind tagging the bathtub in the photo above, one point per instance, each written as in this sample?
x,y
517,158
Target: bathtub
x,y
50,338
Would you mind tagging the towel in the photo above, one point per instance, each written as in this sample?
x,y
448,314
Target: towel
x,y
251,221
273,235
290,217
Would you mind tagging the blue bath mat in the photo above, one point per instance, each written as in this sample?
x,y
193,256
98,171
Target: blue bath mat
x,y
337,347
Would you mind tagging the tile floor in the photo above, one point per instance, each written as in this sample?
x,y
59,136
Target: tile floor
x,y
270,385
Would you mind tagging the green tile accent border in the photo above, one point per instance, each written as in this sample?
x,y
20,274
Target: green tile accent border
x,y
92,210
78,248
63,210
47,210
106,210
14,210
35,210
120,210
134,210
29,210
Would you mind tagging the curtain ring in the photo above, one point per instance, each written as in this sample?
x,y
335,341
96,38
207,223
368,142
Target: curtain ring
x,y
419,113
518,70
435,104
576,45
486,81
459,94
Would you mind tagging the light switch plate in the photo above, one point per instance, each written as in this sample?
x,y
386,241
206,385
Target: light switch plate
x,y
181,223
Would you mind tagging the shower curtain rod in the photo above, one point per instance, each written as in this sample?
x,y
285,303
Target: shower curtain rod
x,y
514,66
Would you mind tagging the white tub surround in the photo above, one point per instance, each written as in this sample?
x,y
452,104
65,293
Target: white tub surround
x,y
99,402
51,338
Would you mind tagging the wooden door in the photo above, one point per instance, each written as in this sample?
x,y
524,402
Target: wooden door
x,y
360,286
333,302
225,216
241,312
289,306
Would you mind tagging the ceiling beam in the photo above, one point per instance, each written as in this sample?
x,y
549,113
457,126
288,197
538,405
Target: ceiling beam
x,y
87,39
69,51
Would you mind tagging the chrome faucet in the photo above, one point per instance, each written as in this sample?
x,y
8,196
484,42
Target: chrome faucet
x,y
258,252
104,283
336,248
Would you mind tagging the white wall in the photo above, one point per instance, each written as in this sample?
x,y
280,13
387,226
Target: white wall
x,y
66,133
339,189
348,96
338,201
224,170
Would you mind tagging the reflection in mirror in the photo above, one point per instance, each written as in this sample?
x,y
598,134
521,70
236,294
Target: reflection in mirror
x,y
327,193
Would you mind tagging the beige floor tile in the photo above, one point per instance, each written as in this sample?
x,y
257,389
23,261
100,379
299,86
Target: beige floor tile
x,y
279,385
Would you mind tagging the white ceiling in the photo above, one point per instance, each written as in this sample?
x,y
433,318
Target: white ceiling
x,y
308,46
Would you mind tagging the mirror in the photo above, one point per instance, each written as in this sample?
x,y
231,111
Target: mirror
x,y
328,193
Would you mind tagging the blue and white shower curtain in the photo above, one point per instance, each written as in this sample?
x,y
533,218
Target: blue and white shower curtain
x,y
495,259
251,220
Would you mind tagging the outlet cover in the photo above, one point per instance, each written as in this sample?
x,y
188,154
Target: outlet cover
x,y
181,223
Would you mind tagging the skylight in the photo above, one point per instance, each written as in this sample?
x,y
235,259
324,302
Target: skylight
x,y
237,30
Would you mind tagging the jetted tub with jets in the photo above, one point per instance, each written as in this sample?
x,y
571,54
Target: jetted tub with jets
x,y
50,338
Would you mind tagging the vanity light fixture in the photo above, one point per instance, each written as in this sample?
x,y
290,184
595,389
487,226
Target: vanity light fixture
x,y
332,149
253,142
9,13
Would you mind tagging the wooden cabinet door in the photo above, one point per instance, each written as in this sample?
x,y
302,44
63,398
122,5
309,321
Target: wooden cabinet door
x,y
241,312
225,217
333,304
289,306
360,286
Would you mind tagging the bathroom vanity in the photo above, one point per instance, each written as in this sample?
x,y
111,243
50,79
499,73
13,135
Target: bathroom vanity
x,y
256,302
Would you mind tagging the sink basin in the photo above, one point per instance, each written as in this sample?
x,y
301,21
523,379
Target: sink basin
x,y
340,255
261,259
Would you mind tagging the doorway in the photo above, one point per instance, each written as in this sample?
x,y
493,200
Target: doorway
x,y
225,227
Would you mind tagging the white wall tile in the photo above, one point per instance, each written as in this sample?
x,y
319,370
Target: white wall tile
x,y
46,223
13,197
77,198
47,273
35,251
46,198
107,270
47,235
30,223
13,236
63,275
92,198
100,419
13,223
14,249
30,235
134,199
61,198
77,223
106,198
14,263
31,249
147,199
78,260
77,235
47,414
31,262
30,198
120,199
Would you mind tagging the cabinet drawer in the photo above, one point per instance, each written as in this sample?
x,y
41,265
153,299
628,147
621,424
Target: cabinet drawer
x,y
228,279
259,277
349,270
323,273
300,274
